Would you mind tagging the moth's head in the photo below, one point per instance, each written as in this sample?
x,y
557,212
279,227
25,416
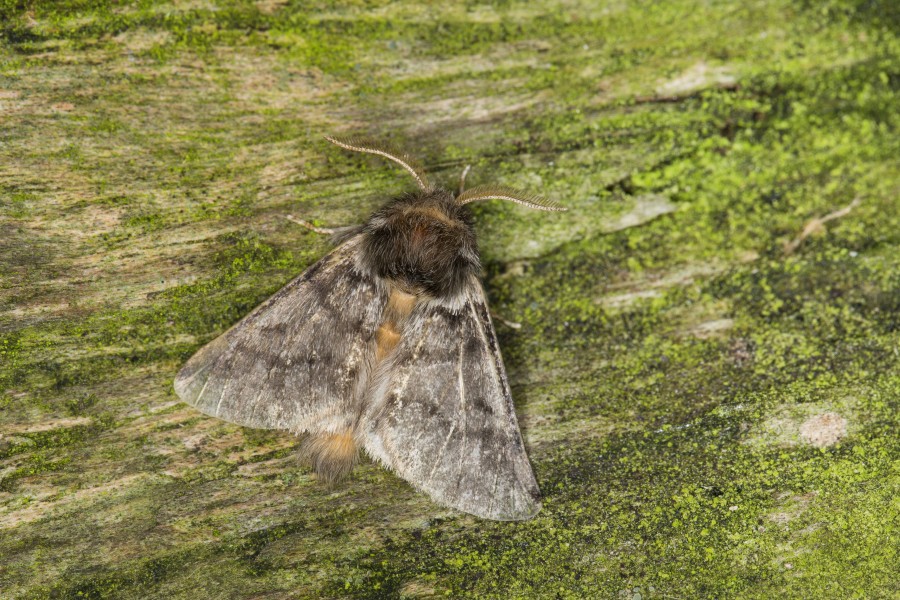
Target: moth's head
x,y
424,220
424,241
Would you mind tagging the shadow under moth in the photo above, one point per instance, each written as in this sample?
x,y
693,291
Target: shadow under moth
x,y
386,344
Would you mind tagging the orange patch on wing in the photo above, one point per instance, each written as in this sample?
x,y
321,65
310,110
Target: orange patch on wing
x,y
386,339
400,304
387,336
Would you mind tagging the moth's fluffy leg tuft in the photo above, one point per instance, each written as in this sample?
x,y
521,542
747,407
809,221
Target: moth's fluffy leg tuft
x,y
331,455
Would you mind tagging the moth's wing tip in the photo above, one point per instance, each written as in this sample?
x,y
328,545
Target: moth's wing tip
x,y
521,506
179,386
523,515
182,385
191,380
182,380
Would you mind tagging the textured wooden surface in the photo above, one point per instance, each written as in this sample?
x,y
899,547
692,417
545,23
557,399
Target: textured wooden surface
x,y
706,376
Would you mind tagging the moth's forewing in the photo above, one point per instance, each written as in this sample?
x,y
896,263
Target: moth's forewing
x,y
297,361
442,416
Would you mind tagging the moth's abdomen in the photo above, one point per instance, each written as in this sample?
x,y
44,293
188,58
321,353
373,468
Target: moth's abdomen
x,y
423,244
332,455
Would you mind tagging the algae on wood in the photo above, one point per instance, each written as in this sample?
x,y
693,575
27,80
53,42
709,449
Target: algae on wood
x,y
708,415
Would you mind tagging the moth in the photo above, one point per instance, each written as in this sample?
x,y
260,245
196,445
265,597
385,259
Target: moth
x,y
385,344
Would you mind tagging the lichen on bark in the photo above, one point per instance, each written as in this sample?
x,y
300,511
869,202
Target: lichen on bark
x,y
709,414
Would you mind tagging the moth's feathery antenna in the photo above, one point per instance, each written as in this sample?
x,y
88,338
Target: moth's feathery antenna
x,y
499,192
387,151
462,179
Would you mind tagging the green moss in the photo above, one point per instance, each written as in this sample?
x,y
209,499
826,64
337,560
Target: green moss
x,y
53,438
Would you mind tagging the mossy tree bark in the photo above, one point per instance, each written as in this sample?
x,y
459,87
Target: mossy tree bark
x,y
711,409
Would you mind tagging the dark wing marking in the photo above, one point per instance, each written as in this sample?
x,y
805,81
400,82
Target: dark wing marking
x,y
296,361
442,416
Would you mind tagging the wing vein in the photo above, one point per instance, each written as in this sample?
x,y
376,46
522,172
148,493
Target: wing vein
x,y
462,409
222,395
479,326
440,454
203,389
493,496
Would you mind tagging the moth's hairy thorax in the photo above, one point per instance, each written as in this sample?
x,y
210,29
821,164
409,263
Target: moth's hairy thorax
x,y
423,243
